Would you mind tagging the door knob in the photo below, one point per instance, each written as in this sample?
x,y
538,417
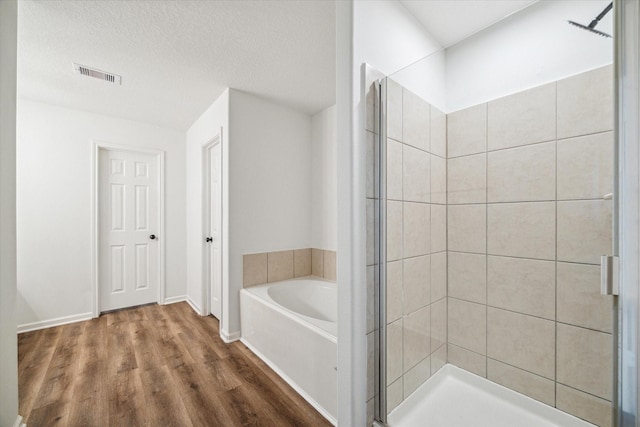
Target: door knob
x,y
209,239
152,237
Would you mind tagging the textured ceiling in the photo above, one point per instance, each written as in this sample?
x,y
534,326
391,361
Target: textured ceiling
x,y
451,21
176,57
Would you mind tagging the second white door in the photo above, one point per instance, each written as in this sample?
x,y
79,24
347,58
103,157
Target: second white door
x,y
128,229
214,239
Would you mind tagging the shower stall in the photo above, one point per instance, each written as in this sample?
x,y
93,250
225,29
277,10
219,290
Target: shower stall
x,y
493,215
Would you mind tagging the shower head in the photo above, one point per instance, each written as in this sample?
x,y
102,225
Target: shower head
x,y
592,26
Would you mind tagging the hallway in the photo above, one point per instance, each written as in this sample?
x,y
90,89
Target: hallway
x,y
150,366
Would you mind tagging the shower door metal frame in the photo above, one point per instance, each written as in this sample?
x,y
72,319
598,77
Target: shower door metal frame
x,y
380,237
626,212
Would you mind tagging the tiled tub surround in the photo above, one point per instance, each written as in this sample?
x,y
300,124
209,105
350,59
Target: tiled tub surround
x,y
527,223
416,242
268,267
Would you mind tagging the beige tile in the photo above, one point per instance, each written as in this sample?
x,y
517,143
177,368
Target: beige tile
x,y
585,406
371,371
522,229
394,351
438,180
416,337
394,170
317,262
467,229
585,360
254,269
467,179
438,228
523,174
370,140
372,222
415,175
438,132
585,167
302,262
438,358
438,324
438,276
580,302
371,411
394,395
372,98
417,278
467,360
394,110
468,277
394,230
415,120
394,291
522,341
584,230
330,265
523,118
371,297
416,376
467,325
279,266
416,224
467,131
534,386
585,103
523,285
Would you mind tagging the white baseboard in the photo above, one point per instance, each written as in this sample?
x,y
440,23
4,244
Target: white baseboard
x,y
293,385
229,337
19,422
34,326
173,300
194,306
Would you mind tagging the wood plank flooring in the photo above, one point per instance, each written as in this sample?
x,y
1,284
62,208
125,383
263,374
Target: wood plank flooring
x,y
150,366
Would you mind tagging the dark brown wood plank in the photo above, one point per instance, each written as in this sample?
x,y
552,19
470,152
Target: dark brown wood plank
x,y
165,406
203,402
126,400
90,404
32,367
121,356
153,366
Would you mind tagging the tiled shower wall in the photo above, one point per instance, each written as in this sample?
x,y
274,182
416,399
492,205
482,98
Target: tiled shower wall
x,y
268,267
527,223
416,242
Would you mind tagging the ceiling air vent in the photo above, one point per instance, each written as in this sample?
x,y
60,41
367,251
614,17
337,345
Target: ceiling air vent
x,y
102,75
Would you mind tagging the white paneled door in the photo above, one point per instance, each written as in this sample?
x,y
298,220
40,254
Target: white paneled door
x,y
128,229
214,239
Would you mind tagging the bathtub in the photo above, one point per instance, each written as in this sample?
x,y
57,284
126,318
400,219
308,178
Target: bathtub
x,y
291,325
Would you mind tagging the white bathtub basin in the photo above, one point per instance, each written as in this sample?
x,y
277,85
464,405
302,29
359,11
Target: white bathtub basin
x,y
291,325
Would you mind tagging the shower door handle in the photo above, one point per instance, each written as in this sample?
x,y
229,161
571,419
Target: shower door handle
x,y
609,275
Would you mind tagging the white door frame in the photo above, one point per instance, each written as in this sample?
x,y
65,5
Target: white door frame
x,y
95,213
206,205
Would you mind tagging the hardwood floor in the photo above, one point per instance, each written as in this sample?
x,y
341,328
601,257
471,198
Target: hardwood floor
x,y
150,366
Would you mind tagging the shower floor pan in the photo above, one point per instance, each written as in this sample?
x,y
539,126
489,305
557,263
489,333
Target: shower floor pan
x,y
456,398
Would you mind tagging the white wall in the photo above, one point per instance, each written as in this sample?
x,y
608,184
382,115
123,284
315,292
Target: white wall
x,y
266,190
54,205
214,121
526,50
390,39
324,197
269,183
8,339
